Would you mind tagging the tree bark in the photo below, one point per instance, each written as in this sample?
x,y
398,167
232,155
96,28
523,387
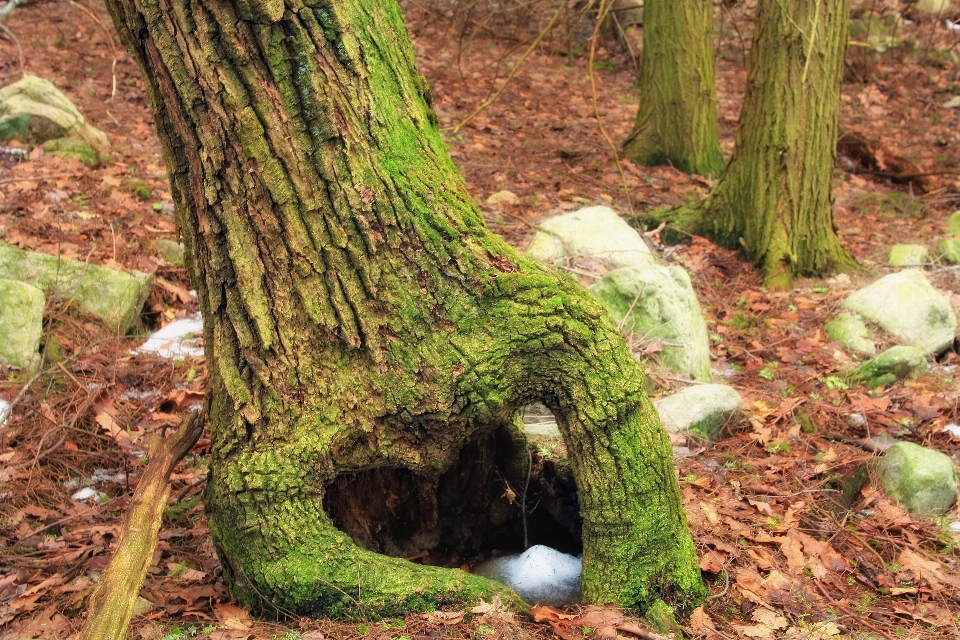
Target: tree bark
x,y
677,119
775,199
360,323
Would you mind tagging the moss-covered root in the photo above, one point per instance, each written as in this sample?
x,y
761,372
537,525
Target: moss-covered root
x,y
290,559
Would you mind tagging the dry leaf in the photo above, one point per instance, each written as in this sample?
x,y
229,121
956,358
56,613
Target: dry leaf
x,y
700,621
444,617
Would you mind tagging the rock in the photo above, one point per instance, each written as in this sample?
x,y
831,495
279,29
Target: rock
x,y
659,303
950,251
170,250
594,231
21,324
923,480
502,197
77,149
908,255
113,295
896,363
852,332
700,410
934,7
34,111
953,224
905,306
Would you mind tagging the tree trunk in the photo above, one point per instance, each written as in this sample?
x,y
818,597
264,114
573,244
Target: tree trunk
x,y
775,199
677,119
368,341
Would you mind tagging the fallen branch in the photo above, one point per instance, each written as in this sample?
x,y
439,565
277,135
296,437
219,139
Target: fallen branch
x,y
112,601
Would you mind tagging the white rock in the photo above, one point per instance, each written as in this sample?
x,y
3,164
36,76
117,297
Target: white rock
x,y
952,429
177,340
701,410
594,231
539,575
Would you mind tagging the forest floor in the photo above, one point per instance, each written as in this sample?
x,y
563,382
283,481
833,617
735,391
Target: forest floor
x,y
781,555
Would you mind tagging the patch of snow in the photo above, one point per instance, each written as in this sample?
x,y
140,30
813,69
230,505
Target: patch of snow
x,y
857,420
955,527
953,429
4,412
85,494
177,340
539,575
952,26
99,476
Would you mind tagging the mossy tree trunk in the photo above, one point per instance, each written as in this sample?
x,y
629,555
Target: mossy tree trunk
x,y
361,325
775,199
677,119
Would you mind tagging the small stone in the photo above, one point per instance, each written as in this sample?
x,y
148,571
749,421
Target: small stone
x,y
909,255
852,332
33,110
502,197
139,188
56,196
907,307
115,296
21,324
701,410
594,231
857,420
170,250
950,251
953,224
657,302
896,363
923,480
142,606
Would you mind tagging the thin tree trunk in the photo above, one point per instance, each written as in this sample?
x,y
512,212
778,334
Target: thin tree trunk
x,y
677,119
775,199
362,326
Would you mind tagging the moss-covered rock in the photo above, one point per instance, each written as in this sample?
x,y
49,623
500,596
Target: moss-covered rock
x,y
594,231
655,302
170,250
924,480
934,7
34,111
908,255
21,324
139,188
701,410
907,307
953,224
75,148
950,251
852,332
113,295
896,363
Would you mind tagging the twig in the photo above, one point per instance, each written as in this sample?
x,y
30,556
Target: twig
x,y
523,499
640,632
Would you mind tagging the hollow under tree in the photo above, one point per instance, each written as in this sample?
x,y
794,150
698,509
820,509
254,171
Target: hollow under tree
x,y
775,200
369,342
677,119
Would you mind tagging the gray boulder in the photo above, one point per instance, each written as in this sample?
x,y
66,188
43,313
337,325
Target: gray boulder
x,y
594,231
934,7
923,480
21,324
34,111
113,295
171,250
908,255
896,363
907,307
656,302
852,332
701,410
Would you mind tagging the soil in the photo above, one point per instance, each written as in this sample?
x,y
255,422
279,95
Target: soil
x,y
785,552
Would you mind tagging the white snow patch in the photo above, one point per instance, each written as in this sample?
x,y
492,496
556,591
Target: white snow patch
x,y
953,429
177,340
857,420
955,527
539,575
86,493
4,412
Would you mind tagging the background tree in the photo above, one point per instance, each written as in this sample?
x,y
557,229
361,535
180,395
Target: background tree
x,y
677,119
368,341
775,198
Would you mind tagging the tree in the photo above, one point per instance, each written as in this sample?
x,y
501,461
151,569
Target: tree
x,y
368,340
775,199
677,119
